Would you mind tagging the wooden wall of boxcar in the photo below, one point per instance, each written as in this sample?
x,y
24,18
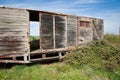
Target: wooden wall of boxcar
x,y
14,31
85,30
60,32
97,29
71,30
53,31
46,31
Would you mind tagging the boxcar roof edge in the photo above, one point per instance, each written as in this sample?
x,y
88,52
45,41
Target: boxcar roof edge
x,y
49,12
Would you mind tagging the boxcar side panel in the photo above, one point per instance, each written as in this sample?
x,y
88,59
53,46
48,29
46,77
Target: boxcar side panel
x,y
97,29
71,30
60,32
14,31
85,33
46,31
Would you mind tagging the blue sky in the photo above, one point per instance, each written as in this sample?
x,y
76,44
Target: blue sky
x,y
109,10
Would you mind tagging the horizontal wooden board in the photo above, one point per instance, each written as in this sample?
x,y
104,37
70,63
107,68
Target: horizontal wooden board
x,y
14,26
13,11
13,33
13,38
12,20
13,44
12,50
8,52
12,47
14,29
16,16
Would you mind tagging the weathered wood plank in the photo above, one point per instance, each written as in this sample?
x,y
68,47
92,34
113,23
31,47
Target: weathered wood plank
x,y
12,11
17,50
60,29
49,50
54,31
97,29
12,20
46,31
13,26
13,33
8,52
14,29
13,44
13,38
71,30
12,48
85,34
11,15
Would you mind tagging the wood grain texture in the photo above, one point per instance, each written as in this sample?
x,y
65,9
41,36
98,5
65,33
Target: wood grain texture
x,y
60,29
71,30
85,34
19,33
46,31
97,29
14,31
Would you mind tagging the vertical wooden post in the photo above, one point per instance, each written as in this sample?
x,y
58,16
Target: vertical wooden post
x,y
76,31
54,31
40,33
29,57
43,55
60,55
14,58
119,31
66,30
25,58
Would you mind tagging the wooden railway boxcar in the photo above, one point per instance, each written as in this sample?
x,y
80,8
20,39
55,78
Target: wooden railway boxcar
x,y
58,33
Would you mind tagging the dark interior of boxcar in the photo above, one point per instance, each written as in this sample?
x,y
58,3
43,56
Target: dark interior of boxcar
x,y
34,39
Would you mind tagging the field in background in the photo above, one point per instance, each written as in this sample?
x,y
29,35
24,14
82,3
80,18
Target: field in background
x,y
113,40
99,61
34,43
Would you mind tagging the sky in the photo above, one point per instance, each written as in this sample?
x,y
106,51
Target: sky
x,y
108,10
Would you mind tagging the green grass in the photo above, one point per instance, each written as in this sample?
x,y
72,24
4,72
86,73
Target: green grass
x,y
113,40
99,61
57,71
34,38
97,55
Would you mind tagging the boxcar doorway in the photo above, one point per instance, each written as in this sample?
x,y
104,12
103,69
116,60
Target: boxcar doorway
x,y
34,36
34,30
